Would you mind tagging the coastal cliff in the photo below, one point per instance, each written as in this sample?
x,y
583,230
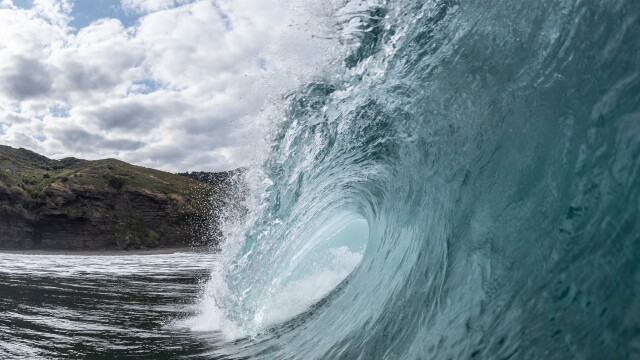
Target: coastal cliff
x,y
74,204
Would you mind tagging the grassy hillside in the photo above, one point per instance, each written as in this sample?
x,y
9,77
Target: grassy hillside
x,y
33,173
124,205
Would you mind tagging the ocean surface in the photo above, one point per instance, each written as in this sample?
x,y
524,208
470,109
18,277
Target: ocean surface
x,y
463,182
101,307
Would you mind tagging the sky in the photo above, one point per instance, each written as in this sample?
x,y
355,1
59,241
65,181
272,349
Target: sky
x,y
177,85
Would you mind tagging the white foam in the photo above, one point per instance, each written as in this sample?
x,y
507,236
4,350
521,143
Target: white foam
x,y
284,303
299,295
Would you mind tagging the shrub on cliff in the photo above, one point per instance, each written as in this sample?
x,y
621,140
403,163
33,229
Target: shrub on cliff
x,y
116,182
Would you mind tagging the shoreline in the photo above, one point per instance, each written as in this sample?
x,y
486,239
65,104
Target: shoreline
x,y
163,251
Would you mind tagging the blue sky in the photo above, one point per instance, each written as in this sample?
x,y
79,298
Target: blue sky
x,y
86,11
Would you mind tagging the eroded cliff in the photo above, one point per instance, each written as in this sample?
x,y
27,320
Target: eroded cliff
x,y
74,204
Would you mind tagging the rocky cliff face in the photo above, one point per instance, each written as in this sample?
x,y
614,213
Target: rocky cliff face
x,y
84,218
82,205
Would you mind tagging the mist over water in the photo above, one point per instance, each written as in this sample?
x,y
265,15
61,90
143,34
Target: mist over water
x,y
464,185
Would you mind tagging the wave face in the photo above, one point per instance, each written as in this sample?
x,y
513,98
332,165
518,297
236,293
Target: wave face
x,y
466,185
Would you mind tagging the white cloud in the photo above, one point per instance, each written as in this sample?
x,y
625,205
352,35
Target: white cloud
x,y
145,6
180,90
57,12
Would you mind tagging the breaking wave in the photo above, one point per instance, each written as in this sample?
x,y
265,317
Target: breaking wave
x,y
465,185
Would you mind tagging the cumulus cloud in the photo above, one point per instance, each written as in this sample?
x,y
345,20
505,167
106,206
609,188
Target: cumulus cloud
x,y
82,141
144,6
25,78
181,89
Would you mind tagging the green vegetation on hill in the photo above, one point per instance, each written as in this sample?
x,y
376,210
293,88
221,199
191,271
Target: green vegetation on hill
x,y
130,206
33,173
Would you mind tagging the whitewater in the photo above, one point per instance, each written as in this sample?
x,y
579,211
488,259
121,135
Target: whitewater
x,y
463,183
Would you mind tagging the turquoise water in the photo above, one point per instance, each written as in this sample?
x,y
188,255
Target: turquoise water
x,y
484,158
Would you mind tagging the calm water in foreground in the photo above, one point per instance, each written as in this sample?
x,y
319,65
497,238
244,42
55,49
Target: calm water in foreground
x,y
101,307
